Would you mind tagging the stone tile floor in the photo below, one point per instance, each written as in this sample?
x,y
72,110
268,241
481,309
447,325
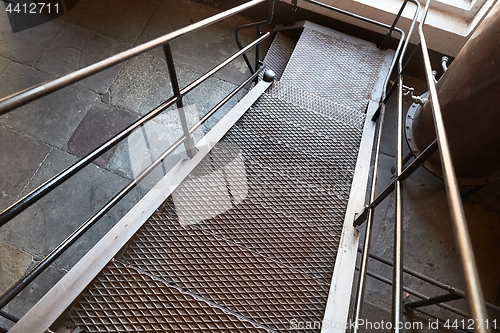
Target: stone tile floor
x,y
44,137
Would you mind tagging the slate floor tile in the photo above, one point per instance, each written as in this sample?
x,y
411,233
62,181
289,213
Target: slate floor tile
x,y
21,157
123,21
26,46
51,119
101,122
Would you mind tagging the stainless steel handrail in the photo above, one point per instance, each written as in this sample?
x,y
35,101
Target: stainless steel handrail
x,y
474,292
364,260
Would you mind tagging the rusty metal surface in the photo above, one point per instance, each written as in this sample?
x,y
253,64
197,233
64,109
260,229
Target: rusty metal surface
x,y
224,273
468,94
307,100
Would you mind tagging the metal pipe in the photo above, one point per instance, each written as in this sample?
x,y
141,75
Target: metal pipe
x,y
432,281
268,20
397,287
61,177
356,16
214,70
397,276
371,212
293,15
405,174
58,179
366,246
416,294
394,85
71,239
226,99
433,300
9,316
363,215
391,29
444,63
473,285
13,101
189,145
380,24
468,95
405,68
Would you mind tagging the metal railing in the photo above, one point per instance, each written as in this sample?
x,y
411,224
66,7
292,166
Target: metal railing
x,y
14,101
473,293
257,26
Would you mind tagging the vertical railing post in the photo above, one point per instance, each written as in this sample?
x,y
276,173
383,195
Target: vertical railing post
x,y
397,276
257,50
293,15
188,138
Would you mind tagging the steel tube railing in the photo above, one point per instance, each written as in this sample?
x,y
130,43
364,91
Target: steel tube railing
x,y
54,254
197,82
370,212
364,259
419,160
397,276
28,95
61,177
377,23
474,294
257,25
393,26
13,101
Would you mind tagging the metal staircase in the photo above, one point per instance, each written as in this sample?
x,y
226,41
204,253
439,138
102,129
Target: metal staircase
x,y
253,233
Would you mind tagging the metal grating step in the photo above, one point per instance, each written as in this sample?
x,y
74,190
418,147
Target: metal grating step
x,y
226,274
302,245
301,170
123,299
335,66
309,132
307,100
280,51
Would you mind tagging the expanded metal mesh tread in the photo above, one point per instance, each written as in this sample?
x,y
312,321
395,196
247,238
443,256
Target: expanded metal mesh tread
x,y
263,156
122,299
309,121
226,274
323,106
335,66
340,145
280,51
307,245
